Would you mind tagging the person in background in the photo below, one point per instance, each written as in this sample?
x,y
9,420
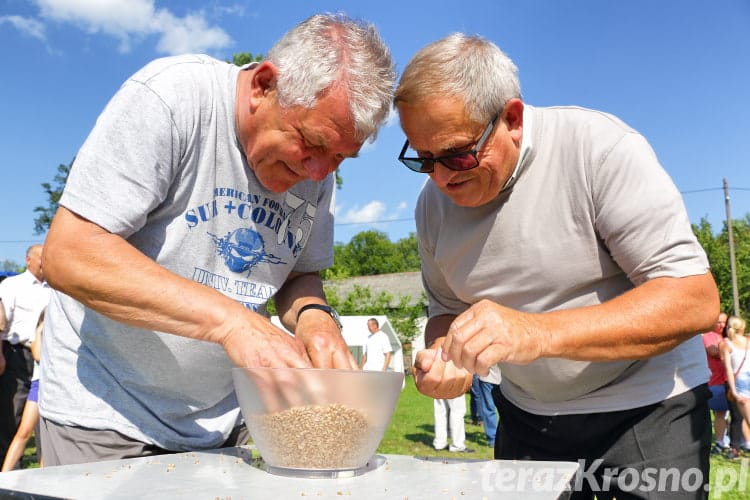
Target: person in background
x,y
716,383
378,350
30,415
449,418
554,245
739,431
24,296
474,396
734,354
203,190
485,387
3,325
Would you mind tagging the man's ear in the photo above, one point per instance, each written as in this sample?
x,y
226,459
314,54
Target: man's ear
x,y
262,82
513,116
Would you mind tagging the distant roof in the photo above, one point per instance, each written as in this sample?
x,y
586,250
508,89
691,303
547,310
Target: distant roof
x,y
396,284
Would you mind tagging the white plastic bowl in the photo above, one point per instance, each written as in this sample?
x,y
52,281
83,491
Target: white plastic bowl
x,y
316,422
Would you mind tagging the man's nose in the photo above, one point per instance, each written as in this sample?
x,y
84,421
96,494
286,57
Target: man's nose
x,y
441,175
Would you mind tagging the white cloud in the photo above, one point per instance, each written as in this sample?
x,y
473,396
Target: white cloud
x,y
372,212
189,34
26,25
236,10
128,20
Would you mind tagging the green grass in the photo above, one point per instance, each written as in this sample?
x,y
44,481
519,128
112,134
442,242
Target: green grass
x,y
411,431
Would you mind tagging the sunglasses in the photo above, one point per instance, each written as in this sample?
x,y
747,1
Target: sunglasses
x,y
465,160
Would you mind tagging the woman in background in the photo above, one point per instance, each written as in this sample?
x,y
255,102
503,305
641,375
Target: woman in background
x,y
734,353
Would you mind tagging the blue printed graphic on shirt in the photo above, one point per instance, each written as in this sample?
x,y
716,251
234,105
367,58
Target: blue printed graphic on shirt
x,y
242,249
242,229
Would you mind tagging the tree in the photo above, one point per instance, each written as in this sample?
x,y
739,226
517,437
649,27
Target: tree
x,y
242,58
403,316
44,219
717,250
11,266
371,252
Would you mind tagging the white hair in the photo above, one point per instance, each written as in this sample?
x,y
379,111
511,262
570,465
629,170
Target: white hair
x,y
463,66
328,50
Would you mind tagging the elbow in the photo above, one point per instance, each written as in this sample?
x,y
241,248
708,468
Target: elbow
x,y
50,266
709,304
56,261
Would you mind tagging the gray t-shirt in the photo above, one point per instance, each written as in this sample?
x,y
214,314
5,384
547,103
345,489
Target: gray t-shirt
x,y
590,215
163,169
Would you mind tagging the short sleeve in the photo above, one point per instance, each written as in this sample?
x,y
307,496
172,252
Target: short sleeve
x,y
641,217
318,252
126,165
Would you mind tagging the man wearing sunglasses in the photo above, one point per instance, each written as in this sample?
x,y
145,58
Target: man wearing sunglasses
x,y
555,246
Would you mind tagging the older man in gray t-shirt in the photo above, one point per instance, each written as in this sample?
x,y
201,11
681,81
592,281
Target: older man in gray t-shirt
x,y
203,191
555,247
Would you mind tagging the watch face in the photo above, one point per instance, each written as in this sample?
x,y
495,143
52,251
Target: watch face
x,y
336,317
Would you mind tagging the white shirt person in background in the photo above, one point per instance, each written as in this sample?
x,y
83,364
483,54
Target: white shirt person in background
x,y
378,348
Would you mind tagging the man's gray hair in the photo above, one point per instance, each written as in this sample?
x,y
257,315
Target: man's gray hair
x,y
463,66
328,50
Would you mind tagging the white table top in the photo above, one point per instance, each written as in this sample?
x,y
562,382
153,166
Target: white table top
x,y
231,473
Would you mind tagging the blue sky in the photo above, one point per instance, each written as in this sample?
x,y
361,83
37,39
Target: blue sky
x,y
676,70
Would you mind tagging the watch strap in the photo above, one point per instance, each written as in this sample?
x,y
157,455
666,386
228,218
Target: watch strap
x,y
322,307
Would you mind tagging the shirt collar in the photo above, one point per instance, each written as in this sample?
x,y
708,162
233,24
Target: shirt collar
x,y
527,145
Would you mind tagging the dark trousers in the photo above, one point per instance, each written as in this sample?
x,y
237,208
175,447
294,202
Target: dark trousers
x,y
14,388
640,453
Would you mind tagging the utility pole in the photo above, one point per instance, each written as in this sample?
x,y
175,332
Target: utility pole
x,y
733,270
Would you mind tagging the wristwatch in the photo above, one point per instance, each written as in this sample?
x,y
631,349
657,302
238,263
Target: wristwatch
x,y
327,309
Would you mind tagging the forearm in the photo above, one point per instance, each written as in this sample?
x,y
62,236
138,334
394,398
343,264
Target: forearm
x,y
437,328
646,321
36,348
713,351
104,272
387,361
3,321
730,380
300,289
319,331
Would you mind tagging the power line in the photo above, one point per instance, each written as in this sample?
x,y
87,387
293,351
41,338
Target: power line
x,y
372,222
701,190
713,189
691,191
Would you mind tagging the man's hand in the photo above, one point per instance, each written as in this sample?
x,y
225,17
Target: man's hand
x,y
317,331
487,333
2,362
323,341
259,343
437,378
